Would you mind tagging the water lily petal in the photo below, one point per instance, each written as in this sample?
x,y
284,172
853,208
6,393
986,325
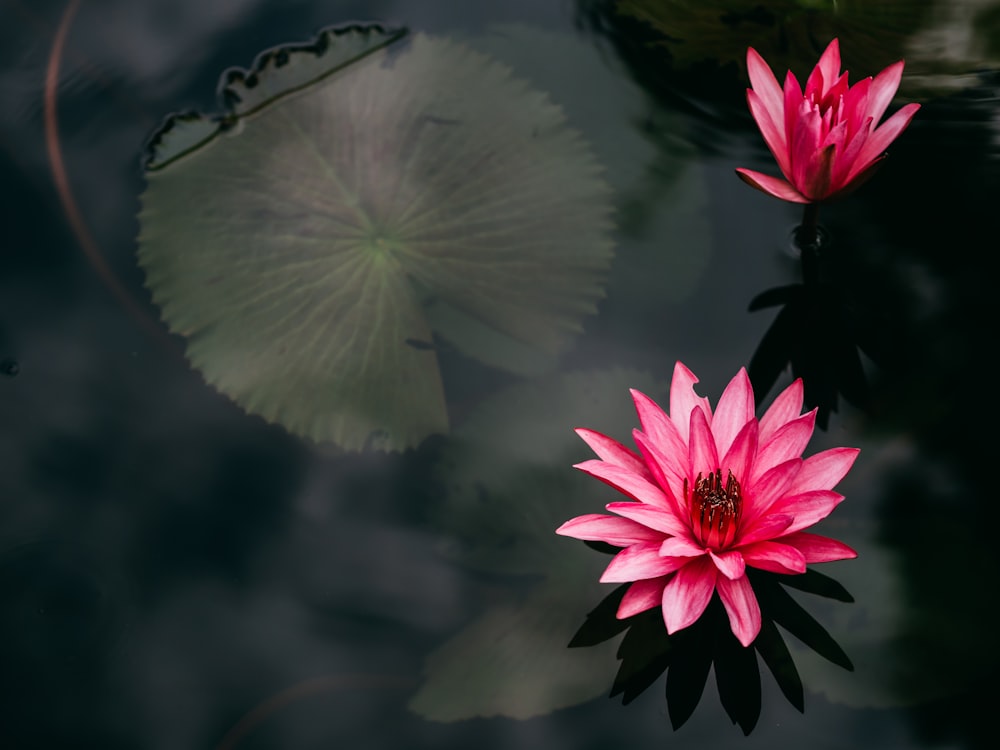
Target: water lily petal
x,y
597,527
860,178
613,452
781,492
626,482
734,410
641,596
847,158
770,487
730,563
772,127
774,556
677,546
855,108
788,441
806,138
767,103
771,185
742,607
786,407
703,458
807,508
661,431
883,89
817,549
669,470
823,470
687,594
766,88
638,562
792,95
765,527
826,72
881,137
838,89
659,519
683,399
742,452
824,136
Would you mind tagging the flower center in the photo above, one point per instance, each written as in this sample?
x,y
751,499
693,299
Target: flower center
x,y
715,509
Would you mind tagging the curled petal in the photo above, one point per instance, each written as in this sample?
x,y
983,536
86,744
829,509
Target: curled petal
x,y
641,596
678,546
639,562
730,563
775,557
742,607
817,549
687,594
597,527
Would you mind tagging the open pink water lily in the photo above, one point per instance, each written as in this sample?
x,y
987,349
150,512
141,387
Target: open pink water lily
x,y
825,140
711,493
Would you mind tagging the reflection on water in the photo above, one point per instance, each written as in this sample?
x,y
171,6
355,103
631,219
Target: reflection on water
x,y
169,563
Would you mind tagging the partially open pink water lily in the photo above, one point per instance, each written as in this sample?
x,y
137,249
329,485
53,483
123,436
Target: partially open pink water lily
x,y
826,140
712,492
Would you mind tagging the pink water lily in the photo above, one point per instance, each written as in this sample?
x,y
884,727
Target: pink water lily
x,y
826,140
711,493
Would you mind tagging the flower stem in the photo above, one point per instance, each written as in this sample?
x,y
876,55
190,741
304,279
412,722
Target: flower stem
x,y
807,234
807,240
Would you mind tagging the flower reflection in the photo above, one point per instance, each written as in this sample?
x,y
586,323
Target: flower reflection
x,y
826,140
711,494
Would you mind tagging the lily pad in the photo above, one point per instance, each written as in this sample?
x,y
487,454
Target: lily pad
x,y
299,239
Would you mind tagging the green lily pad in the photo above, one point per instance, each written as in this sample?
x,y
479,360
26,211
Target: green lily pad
x,y
299,240
507,485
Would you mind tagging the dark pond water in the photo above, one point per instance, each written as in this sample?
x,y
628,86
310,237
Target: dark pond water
x,y
176,572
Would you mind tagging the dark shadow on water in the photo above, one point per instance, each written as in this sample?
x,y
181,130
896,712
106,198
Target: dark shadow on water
x,y
687,656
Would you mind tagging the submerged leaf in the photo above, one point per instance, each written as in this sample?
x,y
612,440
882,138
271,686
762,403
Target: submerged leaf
x,y
506,486
513,661
352,185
